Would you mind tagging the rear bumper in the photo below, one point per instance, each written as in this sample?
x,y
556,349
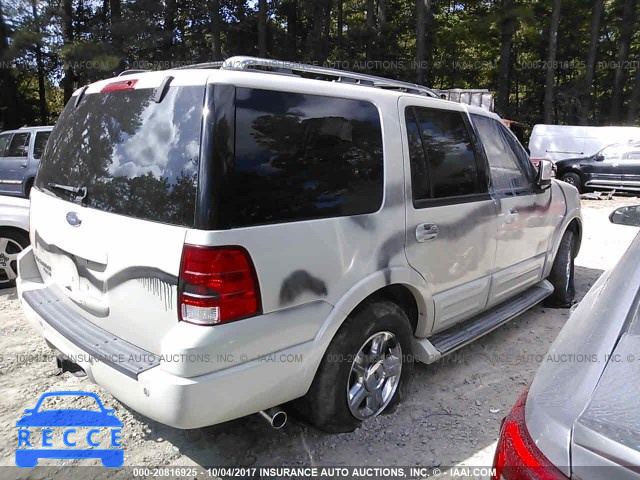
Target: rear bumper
x,y
246,386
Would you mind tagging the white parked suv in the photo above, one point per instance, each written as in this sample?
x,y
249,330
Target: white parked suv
x,y
214,241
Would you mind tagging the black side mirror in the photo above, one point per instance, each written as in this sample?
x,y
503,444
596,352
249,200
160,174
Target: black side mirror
x,y
626,216
545,172
599,157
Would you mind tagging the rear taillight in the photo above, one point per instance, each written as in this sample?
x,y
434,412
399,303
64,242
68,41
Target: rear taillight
x,y
517,456
217,285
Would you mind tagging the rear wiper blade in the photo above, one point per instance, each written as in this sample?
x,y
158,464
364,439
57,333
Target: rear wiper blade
x,y
80,192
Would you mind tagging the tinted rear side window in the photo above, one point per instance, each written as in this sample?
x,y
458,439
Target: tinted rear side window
x,y
301,157
19,146
450,155
40,143
4,139
136,157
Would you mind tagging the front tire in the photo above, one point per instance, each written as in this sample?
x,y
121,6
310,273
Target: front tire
x,y
573,179
365,371
562,272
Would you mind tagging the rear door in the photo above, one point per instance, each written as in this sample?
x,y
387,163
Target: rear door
x,y
450,214
630,168
524,226
113,199
15,162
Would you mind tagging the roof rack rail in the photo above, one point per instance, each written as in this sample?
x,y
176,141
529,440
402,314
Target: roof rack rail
x,y
131,72
201,65
281,66
269,65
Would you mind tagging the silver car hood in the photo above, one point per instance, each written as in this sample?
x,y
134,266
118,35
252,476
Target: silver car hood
x,y
569,377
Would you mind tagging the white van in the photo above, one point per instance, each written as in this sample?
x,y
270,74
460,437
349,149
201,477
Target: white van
x,y
559,142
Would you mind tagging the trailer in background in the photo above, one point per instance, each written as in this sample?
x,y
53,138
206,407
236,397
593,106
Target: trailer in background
x,y
476,96
559,142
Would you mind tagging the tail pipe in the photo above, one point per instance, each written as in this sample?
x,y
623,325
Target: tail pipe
x,y
276,417
65,364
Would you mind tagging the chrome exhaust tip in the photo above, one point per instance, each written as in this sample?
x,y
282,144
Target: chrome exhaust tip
x,y
277,418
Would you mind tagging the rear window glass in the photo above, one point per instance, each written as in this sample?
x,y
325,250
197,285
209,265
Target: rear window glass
x,y
134,156
300,156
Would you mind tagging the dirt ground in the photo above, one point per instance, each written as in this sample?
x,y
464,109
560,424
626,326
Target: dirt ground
x,y
451,416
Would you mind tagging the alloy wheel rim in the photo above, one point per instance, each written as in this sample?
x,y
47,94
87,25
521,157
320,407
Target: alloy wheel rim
x,y
9,250
374,376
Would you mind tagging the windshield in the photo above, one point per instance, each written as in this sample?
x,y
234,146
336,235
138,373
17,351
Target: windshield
x,y
128,154
617,151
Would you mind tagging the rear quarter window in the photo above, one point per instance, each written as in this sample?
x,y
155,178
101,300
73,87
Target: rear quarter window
x,y
4,139
300,157
40,143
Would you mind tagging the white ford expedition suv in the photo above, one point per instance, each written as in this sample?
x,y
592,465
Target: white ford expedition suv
x,y
214,241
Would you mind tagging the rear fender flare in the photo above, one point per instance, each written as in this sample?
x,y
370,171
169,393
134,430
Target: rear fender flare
x,y
364,289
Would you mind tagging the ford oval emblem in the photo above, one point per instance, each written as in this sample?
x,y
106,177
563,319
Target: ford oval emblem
x,y
73,219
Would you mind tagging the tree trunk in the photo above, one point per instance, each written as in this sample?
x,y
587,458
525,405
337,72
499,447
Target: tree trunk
x,y
216,31
421,39
632,115
382,15
105,15
508,27
8,91
67,35
320,12
424,41
116,32
42,100
327,26
292,30
340,25
551,59
589,76
370,37
620,78
262,27
170,13
383,28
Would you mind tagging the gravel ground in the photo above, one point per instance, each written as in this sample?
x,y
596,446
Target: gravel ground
x,y
451,415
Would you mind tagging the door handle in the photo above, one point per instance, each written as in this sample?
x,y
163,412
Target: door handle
x,y
426,232
511,215
23,165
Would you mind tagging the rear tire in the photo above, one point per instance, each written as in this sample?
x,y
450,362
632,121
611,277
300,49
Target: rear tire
x,y
12,242
358,376
562,272
572,179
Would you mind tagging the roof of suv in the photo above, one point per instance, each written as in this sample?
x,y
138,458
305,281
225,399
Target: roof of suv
x,y
274,73
30,129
